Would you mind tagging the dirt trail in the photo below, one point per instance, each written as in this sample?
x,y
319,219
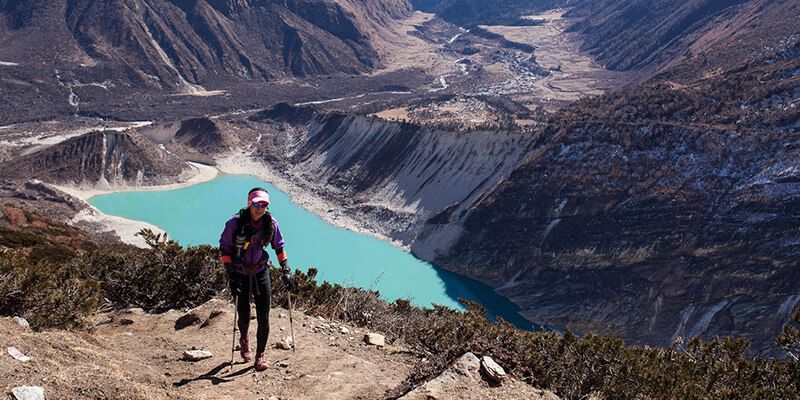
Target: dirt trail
x,y
135,355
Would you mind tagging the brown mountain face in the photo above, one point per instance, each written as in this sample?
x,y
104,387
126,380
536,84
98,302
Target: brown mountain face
x,y
662,211
179,43
113,157
645,34
199,140
201,134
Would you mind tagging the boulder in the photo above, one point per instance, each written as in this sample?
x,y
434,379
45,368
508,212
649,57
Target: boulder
x,y
187,320
285,343
18,354
492,370
344,331
197,355
28,393
375,339
467,365
464,373
22,322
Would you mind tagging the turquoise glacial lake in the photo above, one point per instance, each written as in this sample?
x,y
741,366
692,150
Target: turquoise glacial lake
x,y
197,214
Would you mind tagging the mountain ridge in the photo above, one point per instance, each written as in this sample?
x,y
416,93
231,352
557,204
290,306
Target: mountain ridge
x,y
184,43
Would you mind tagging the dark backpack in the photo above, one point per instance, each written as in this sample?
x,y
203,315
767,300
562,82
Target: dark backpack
x,y
244,232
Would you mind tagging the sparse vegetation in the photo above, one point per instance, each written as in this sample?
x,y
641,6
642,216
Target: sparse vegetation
x,y
64,288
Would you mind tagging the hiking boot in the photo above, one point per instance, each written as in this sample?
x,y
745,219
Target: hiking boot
x,y
244,349
261,362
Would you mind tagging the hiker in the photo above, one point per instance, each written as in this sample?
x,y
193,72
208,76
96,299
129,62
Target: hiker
x,y
247,264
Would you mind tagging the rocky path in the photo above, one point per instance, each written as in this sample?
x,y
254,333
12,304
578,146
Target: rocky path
x,y
136,355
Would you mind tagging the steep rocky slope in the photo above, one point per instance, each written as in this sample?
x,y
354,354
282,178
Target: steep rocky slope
x,y
98,158
395,175
152,59
663,211
180,44
650,35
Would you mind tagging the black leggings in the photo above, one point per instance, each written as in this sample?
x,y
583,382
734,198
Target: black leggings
x,y
262,294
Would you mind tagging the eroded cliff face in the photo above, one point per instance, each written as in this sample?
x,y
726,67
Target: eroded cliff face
x,y
692,235
395,175
99,158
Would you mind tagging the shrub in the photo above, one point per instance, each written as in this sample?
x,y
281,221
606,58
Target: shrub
x,y
62,290
159,278
55,286
47,293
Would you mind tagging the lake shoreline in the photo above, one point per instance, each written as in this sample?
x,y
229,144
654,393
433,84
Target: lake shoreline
x,y
243,164
195,214
230,164
125,228
316,203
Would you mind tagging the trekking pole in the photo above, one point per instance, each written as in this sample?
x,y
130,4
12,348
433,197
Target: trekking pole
x,y
291,323
233,345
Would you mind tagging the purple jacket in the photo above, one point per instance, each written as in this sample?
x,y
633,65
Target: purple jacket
x,y
254,254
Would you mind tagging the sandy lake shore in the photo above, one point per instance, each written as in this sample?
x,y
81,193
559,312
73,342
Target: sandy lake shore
x,y
232,164
126,228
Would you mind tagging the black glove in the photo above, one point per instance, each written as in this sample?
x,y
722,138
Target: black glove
x,y
233,280
288,278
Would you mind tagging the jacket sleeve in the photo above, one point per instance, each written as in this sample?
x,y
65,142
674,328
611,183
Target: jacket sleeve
x,y
277,239
226,240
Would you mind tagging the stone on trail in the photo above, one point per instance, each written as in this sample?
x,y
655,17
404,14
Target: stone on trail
x,y
344,330
22,321
18,354
197,355
375,339
494,371
464,372
28,393
211,316
186,320
285,343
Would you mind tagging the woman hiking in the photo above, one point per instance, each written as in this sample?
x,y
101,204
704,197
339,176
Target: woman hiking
x,y
246,261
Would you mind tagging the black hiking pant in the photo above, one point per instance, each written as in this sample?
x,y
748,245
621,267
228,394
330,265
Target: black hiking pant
x,y
262,295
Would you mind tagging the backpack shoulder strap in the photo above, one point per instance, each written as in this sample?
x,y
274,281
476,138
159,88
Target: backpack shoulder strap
x,y
268,232
243,223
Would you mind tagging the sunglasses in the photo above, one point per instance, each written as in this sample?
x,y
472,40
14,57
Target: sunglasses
x,y
260,205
